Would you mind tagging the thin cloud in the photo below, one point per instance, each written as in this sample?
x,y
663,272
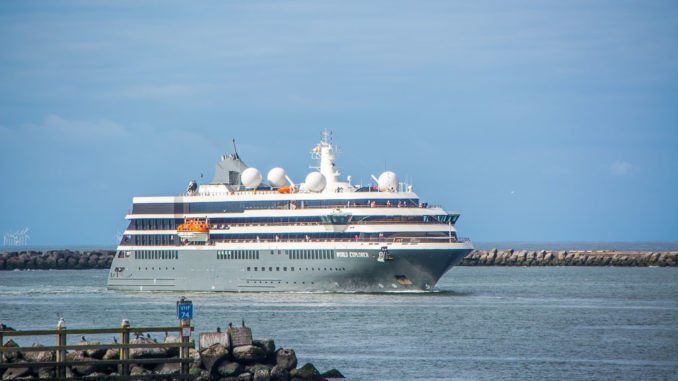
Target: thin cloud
x,y
82,130
620,168
165,92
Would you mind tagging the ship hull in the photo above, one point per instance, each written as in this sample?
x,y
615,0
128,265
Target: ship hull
x,y
347,269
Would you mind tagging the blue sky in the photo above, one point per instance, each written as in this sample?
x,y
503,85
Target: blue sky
x,y
538,120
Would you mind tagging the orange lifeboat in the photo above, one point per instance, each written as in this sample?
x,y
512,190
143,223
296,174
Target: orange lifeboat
x,y
194,230
285,189
193,225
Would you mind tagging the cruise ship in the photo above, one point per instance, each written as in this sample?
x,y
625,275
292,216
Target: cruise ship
x,y
321,235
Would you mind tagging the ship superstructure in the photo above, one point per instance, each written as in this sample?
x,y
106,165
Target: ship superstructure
x,y
319,235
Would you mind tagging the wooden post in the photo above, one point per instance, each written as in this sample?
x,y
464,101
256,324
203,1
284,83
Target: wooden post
x,y
61,353
124,351
1,344
184,351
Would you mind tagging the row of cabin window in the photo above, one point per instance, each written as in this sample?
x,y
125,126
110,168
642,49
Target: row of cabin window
x,y
277,268
151,239
240,206
237,254
270,268
156,254
171,224
311,254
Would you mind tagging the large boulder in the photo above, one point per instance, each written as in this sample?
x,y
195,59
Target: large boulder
x,y
209,356
229,369
262,374
11,356
137,370
172,352
80,370
143,353
169,368
308,372
332,373
112,354
16,373
46,373
194,355
39,356
279,373
265,343
286,358
96,353
248,354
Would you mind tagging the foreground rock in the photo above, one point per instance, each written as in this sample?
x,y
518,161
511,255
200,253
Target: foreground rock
x,y
249,360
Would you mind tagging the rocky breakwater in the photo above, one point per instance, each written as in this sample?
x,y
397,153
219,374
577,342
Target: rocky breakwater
x,y
56,259
512,257
222,356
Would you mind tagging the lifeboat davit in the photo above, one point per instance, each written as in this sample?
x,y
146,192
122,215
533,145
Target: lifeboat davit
x,y
194,230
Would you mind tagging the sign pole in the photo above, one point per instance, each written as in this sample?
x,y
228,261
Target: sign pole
x,y
184,314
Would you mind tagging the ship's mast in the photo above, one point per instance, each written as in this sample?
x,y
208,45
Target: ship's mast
x,y
325,151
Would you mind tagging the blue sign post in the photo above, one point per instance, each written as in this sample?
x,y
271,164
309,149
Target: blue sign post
x,y
184,309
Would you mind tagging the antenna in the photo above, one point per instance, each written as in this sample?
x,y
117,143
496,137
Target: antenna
x,y
235,151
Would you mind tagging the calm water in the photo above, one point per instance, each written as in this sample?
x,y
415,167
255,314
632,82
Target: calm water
x,y
486,323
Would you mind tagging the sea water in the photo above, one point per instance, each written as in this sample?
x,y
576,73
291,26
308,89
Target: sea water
x,y
483,323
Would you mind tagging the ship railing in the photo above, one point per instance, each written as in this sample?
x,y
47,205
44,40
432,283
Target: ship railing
x,y
385,240
222,226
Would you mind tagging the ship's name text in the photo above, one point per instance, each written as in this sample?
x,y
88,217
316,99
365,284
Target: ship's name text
x,y
352,254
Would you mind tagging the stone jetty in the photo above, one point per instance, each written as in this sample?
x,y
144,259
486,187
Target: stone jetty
x,y
510,257
101,259
56,259
225,356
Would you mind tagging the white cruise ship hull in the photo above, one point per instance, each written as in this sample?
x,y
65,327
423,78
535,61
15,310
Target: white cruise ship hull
x,y
312,266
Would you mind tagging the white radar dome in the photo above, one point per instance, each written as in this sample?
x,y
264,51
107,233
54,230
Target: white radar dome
x,y
388,182
277,177
250,177
315,182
